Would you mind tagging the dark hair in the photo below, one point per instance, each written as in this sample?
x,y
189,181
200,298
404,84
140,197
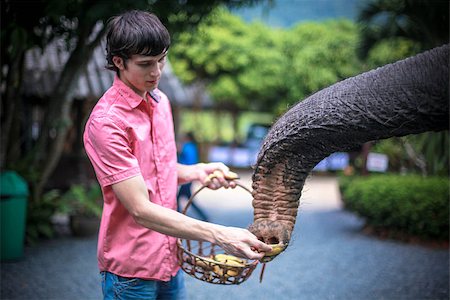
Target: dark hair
x,y
135,32
190,136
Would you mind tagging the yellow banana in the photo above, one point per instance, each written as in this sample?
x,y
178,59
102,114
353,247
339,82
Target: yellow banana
x,y
229,259
229,272
229,175
276,249
201,263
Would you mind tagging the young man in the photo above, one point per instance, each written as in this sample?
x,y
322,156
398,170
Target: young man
x,y
129,139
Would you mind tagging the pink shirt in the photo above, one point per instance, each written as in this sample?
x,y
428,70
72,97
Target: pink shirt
x,y
124,137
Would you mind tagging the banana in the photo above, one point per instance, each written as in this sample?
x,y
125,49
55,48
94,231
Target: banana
x,y
201,263
229,175
229,260
276,249
229,272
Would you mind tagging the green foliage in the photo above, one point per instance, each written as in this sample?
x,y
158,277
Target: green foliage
x,y
411,205
320,54
253,66
393,148
81,200
218,127
39,215
213,49
431,148
434,149
78,200
420,21
391,50
215,53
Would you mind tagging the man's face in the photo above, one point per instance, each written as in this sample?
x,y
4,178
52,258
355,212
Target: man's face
x,y
140,72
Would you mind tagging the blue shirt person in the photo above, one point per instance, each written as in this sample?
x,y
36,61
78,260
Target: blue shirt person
x,y
189,155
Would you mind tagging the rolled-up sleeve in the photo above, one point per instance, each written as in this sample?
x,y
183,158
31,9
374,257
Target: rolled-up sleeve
x,y
110,150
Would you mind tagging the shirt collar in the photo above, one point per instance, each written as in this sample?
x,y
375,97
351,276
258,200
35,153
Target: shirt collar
x,y
133,99
155,95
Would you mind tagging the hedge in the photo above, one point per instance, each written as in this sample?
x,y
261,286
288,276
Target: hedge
x,y
410,204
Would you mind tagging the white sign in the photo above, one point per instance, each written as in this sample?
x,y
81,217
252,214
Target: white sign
x,y
221,154
231,156
377,162
336,161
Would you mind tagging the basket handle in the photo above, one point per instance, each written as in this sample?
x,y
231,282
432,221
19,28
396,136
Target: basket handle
x,y
204,186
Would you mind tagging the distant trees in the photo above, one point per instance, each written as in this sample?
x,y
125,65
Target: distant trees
x,y
253,66
424,22
320,54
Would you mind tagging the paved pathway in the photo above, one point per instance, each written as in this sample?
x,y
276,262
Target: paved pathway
x,y
329,258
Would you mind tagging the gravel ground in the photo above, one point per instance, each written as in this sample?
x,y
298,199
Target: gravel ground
x,y
328,258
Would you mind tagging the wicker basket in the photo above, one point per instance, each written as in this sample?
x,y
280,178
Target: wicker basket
x,y
197,259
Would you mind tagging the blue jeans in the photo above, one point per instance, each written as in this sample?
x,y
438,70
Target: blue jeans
x,y
122,288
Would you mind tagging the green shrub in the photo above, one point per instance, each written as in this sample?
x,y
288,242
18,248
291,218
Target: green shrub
x,y
39,213
410,204
82,200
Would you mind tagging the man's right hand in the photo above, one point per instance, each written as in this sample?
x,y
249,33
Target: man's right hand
x,y
241,243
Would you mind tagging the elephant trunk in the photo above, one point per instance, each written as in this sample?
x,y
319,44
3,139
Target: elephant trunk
x,y
407,97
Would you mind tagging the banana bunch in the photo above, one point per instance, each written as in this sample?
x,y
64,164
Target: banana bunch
x,y
229,260
276,249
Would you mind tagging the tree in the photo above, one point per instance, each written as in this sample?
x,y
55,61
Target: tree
x,y
214,51
253,66
422,21
320,54
26,24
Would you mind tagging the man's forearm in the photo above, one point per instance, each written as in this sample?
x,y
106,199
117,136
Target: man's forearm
x,y
133,195
173,223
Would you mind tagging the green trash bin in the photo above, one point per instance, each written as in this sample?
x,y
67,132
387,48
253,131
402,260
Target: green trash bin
x,y
13,209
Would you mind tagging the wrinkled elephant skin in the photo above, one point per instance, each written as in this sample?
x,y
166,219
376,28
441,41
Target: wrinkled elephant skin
x,y
407,97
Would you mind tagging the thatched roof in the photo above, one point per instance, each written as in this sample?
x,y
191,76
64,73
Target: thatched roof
x,y
42,67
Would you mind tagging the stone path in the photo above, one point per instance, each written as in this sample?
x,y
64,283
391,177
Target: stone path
x,y
328,258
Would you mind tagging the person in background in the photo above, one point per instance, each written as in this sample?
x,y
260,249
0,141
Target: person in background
x,y
189,155
130,141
